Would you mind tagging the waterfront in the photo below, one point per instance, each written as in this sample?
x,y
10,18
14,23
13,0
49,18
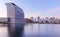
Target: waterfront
x,y
36,30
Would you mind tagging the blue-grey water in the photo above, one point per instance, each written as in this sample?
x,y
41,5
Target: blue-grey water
x,y
36,30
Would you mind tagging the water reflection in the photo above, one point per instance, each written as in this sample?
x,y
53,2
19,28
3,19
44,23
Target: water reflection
x,y
16,29
42,30
3,32
35,30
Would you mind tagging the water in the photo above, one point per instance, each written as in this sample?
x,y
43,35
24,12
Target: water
x,y
36,30
42,30
3,32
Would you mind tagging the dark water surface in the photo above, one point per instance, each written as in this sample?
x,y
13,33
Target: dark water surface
x,y
36,30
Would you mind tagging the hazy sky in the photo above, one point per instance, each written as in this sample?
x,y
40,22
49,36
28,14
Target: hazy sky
x,y
34,8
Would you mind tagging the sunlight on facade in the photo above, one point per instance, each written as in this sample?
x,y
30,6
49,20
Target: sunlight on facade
x,y
3,11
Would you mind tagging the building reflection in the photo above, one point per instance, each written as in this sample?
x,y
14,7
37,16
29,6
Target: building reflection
x,y
16,20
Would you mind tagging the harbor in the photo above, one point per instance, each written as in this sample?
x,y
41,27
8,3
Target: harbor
x,y
29,18
36,30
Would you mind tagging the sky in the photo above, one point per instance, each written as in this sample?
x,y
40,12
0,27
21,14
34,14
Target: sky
x,y
34,8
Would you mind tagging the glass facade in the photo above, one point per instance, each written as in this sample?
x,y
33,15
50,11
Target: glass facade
x,y
16,15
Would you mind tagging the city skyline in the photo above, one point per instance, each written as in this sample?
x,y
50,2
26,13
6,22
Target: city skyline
x,y
34,8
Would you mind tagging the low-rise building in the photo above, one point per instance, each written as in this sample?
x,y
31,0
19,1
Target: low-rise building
x,y
3,19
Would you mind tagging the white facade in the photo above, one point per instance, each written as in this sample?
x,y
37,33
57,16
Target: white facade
x,y
16,16
15,13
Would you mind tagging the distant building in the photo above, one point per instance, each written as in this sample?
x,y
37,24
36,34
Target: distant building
x,y
57,20
3,20
35,20
52,20
38,19
32,19
27,20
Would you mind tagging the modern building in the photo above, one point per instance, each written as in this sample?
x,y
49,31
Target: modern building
x,y
38,19
15,13
16,16
3,20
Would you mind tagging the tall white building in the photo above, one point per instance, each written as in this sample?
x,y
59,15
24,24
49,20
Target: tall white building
x,y
16,17
15,13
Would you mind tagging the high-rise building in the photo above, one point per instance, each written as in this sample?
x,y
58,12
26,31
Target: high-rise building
x,y
16,16
15,13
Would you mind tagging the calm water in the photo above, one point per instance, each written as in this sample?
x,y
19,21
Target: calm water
x,y
36,30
